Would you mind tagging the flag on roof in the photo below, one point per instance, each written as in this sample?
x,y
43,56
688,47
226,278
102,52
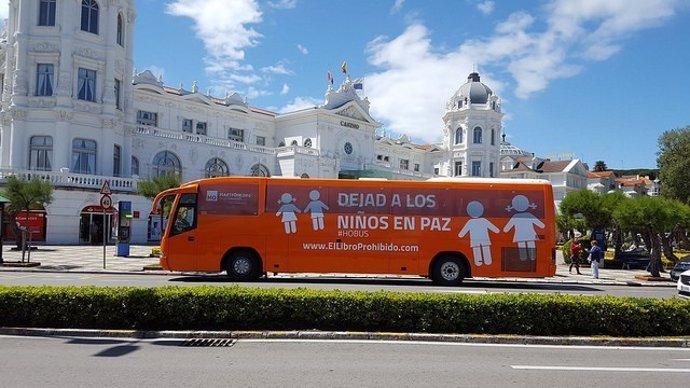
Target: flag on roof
x,y
344,67
330,77
358,84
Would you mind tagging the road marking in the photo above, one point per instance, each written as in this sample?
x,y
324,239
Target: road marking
x,y
598,369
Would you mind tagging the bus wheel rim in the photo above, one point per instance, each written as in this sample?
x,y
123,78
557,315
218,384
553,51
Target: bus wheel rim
x,y
450,271
242,266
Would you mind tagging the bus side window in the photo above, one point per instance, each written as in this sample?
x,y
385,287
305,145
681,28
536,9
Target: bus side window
x,y
185,215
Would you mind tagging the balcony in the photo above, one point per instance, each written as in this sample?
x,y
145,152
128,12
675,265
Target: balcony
x,y
67,179
145,130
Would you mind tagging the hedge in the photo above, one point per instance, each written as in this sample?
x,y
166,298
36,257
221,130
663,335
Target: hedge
x,y
241,308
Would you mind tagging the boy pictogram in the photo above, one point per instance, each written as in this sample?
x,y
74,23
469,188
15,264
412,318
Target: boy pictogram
x,y
316,207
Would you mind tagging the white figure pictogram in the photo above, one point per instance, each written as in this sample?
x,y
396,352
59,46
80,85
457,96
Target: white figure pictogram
x,y
524,224
316,207
288,210
478,229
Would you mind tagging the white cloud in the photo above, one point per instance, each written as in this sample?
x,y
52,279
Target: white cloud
x,y
285,90
283,4
302,49
300,103
397,6
225,30
278,68
415,79
486,7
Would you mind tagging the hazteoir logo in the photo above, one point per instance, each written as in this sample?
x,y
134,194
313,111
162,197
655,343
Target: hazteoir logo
x,y
212,196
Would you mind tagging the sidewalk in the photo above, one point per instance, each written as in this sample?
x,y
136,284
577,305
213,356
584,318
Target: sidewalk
x,y
89,259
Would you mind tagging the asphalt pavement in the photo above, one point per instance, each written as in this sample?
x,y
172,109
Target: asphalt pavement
x,y
91,259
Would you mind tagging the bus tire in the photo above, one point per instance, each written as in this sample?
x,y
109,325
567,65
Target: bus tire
x,y
243,265
448,271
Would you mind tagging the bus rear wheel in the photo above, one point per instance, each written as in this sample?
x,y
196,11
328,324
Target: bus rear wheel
x,y
242,266
448,271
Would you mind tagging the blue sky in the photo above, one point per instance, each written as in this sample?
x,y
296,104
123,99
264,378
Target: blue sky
x,y
599,79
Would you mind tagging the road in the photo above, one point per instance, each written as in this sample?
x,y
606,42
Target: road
x,y
72,361
347,284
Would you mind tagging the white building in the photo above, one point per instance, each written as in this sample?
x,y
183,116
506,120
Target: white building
x,y
73,112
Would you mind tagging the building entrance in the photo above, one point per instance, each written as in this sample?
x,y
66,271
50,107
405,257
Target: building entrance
x,y
92,223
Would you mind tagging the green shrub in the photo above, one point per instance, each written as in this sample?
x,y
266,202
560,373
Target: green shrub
x,y
240,308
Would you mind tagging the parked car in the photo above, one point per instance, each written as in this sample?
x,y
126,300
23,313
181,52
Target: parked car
x,y
681,266
684,285
634,258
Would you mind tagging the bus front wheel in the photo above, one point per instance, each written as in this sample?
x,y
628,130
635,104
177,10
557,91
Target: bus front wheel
x,y
448,271
242,266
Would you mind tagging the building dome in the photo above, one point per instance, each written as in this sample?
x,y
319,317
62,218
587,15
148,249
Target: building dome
x,y
508,149
474,90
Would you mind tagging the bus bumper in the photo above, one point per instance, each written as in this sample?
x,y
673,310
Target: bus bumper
x,y
164,262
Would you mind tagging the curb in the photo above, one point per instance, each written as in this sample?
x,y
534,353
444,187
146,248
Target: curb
x,y
674,342
565,281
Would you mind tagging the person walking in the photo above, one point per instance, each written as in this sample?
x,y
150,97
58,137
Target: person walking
x,y
594,256
575,253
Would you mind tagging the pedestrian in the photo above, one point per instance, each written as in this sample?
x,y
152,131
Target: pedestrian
x,y
594,256
575,253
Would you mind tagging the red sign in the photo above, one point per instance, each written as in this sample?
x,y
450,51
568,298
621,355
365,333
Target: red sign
x,y
106,201
36,224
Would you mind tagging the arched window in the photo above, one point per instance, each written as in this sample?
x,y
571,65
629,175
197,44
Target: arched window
x,y
294,143
84,156
120,31
89,16
259,170
477,138
304,176
135,166
458,135
493,136
216,167
40,153
166,163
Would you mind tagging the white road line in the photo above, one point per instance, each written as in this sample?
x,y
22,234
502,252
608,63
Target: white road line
x,y
598,369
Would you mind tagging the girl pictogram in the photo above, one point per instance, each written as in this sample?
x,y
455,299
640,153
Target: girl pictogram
x,y
524,224
288,211
316,207
479,228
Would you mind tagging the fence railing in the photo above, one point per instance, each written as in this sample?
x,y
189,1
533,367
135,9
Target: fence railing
x,y
70,179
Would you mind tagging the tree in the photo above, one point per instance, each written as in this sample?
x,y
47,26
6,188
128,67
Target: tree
x,y
599,165
652,217
674,164
150,188
26,195
596,211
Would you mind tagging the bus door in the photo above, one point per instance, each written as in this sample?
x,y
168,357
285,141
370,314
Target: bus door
x,y
182,233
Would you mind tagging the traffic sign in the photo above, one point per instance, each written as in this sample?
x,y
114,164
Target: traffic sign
x,y
105,189
106,202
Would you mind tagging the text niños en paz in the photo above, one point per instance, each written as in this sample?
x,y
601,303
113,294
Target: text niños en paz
x,y
384,222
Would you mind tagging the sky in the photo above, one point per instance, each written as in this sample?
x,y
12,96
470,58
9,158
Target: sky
x,y
591,79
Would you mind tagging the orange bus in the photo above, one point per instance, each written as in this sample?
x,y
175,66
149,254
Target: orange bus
x,y
446,229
